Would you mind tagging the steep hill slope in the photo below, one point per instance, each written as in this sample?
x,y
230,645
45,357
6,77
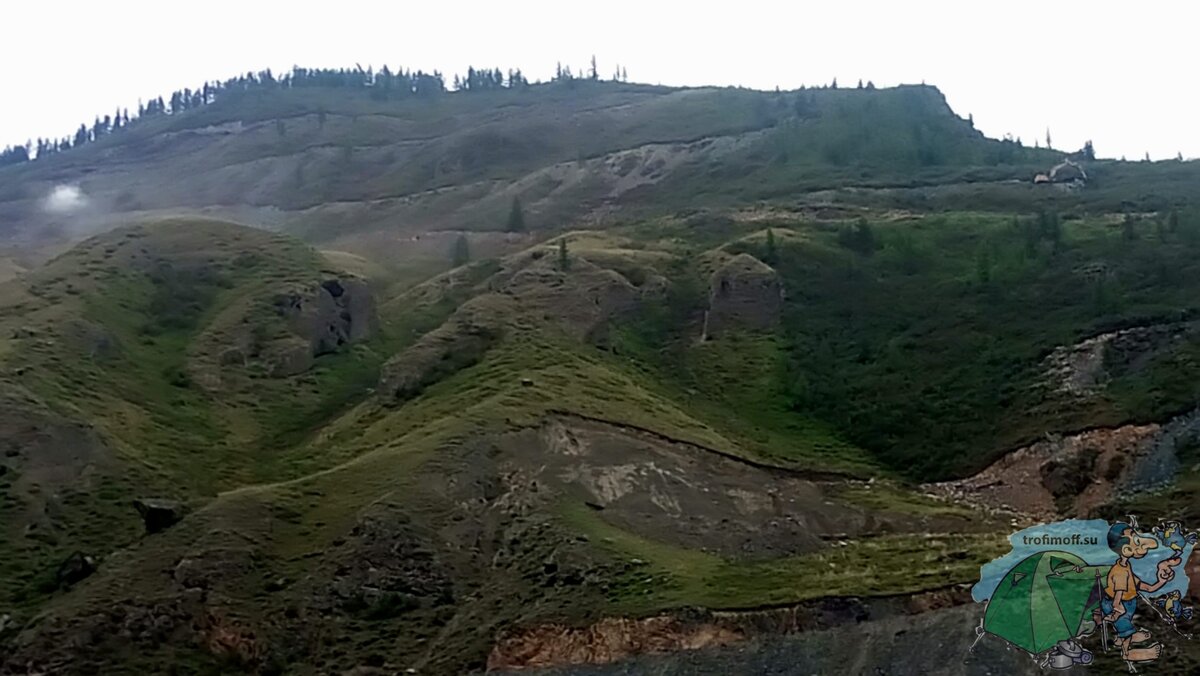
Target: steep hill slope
x,y
161,341
545,427
688,406
369,176
504,455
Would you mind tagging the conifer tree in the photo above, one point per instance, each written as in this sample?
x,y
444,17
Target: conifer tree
x,y
564,258
516,217
1128,229
462,251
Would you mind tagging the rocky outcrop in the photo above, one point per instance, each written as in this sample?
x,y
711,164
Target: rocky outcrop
x,y
1065,476
1077,370
744,293
1159,463
204,569
837,635
76,568
608,640
392,570
455,345
695,497
159,515
323,317
283,331
1083,369
931,644
1074,474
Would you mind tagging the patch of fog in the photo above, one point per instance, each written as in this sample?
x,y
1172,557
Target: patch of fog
x,y
73,213
65,199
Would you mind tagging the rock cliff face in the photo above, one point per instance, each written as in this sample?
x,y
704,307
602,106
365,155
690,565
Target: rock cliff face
x,y
1074,474
608,640
324,317
298,324
744,293
829,636
1083,369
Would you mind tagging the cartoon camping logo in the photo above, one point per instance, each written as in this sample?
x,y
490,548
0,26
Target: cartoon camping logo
x,y
1070,588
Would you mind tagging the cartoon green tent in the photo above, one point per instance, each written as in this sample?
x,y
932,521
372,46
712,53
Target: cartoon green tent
x,y
1044,599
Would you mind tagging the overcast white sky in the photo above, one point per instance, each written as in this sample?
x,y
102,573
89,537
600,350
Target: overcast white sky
x,y
1123,74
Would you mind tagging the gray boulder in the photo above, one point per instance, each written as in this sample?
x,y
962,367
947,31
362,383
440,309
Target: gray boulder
x,y
158,514
74,569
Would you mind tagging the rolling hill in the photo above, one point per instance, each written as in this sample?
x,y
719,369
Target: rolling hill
x,y
285,390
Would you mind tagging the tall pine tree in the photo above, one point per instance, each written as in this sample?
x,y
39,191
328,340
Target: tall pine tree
x,y
516,217
462,251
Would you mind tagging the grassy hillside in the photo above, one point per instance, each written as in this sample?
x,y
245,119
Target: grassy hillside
x,y
916,352
374,177
107,334
927,347
906,136
736,331
110,334
932,354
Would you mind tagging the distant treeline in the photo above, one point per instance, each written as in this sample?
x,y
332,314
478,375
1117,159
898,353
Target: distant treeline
x,y
384,85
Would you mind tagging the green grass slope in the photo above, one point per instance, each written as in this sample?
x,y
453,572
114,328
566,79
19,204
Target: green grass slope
x,y
926,346
338,166
422,467
336,524
911,347
108,334
904,136
105,332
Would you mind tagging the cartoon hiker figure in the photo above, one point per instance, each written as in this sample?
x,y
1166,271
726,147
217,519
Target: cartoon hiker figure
x,y
1119,602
